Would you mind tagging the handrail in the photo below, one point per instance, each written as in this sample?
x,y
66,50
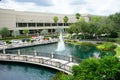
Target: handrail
x,y
39,60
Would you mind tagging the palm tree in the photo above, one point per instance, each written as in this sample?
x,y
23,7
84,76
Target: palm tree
x,y
55,19
65,19
26,31
77,16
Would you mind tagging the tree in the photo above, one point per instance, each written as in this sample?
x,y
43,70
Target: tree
x,y
4,32
107,68
98,69
15,33
44,32
77,16
107,26
26,31
116,18
55,19
83,28
65,19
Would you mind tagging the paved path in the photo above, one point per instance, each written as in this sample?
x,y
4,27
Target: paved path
x,y
11,46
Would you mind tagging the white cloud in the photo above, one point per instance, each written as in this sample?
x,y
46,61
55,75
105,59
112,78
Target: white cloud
x,y
98,7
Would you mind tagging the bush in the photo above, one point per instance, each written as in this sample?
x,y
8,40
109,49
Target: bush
x,y
97,69
88,44
107,68
107,46
8,42
118,40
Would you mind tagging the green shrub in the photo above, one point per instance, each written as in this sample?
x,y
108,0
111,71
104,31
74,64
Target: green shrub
x,y
107,46
8,42
87,44
98,43
118,40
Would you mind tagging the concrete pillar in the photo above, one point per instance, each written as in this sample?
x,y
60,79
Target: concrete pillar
x,y
35,53
16,24
27,24
70,59
4,49
50,24
43,24
58,64
18,52
52,55
35,24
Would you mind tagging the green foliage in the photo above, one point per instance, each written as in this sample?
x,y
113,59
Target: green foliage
x,y
106,25
26,31
117,50
116,18
61,76
87,44
55,19
77,15
8,42
107,49
44,32
108,46
65,19
107,68
95,19
17,37
4,32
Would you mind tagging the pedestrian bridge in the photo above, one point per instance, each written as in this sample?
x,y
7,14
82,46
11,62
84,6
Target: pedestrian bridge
x,y
51,62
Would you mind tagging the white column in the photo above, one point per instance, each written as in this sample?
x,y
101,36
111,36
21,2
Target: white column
x,y
52,55
4,49
35,53
70,58
18,52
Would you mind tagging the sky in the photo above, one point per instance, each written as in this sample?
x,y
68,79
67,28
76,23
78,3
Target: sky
x,y
94,7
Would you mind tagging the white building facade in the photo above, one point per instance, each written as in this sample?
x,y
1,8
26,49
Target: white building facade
x,y
34,21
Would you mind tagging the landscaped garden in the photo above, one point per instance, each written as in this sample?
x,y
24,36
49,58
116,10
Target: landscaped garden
x,y
107,65
103,33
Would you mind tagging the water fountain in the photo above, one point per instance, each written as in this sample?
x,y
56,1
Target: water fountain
x,y
97,55
61,44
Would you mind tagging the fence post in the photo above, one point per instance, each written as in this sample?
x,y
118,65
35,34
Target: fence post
x,y
18,52
70,59
52,55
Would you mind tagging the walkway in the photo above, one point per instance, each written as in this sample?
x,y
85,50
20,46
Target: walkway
x,y
52,62
26,44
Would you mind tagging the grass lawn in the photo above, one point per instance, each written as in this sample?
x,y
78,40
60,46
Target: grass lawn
x,y
117,51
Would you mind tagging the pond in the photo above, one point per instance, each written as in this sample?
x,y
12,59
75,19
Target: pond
x,y
81,52
21,71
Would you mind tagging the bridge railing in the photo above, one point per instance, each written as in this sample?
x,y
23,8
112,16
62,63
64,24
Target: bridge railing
x,y
36,60
44,54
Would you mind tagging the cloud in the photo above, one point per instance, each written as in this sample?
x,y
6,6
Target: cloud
x,y
99,7
78,2
38,2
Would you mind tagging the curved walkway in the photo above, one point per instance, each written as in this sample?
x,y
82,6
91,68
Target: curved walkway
x,y
61,65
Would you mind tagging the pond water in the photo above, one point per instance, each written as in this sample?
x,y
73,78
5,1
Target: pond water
x,y
73,50
31,72
21,71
